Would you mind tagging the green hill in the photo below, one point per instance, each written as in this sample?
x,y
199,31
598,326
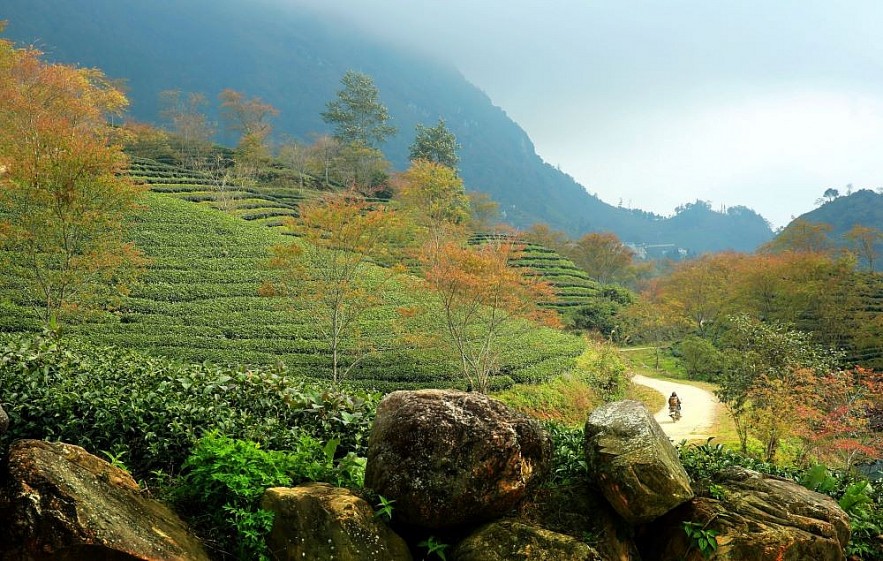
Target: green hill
x,y
861,208
198,299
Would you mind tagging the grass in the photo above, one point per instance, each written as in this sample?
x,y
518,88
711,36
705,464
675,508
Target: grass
x,y
567,400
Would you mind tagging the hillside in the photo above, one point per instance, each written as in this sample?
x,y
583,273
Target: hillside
x,y
294,60
198,301
863,208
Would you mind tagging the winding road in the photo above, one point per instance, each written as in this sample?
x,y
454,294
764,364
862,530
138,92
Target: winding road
x,y
700,409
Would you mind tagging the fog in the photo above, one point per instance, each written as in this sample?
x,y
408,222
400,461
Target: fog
x,y
654,104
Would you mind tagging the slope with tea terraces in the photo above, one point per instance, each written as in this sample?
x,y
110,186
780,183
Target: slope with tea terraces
x,y
198,297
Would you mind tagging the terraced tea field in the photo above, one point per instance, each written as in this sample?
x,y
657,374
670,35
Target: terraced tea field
x,y
259,204
198,301
572,285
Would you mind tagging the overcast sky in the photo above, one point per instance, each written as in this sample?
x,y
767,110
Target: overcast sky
x,y
762,103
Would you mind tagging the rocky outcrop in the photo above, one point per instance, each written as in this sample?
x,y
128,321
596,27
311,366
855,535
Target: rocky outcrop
x,y
64,503
317,521
510,540
633,462
449,458
758,518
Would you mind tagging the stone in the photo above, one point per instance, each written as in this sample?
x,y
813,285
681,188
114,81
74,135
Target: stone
x,y
64,503
4,421
758,518
510,540
450,458
318,521
634,464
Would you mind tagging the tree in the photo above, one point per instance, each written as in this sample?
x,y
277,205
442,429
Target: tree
x,y
251,119
865,240
344,236
541,234
296,156
831,194
482,298
321,157
763,361
801,236
63,191
435,144
699,290
603,256
185,114
836,430
362,169
484,212
434,194
357,115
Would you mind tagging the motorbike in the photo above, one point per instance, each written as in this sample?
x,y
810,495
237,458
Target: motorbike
x,y
675,414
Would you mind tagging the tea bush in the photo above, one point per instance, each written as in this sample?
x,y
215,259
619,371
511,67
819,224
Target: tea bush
x,y
152,410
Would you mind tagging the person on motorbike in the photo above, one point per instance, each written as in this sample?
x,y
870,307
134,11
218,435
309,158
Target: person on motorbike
x,y
674,403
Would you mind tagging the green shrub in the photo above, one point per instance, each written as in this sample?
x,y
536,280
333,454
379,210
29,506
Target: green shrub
x,y
568,456
224,480
603,368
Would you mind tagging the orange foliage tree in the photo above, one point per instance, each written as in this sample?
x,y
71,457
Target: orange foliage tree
x,y
604,257
865,240
63,193
835,427
482,297
699,291
333,270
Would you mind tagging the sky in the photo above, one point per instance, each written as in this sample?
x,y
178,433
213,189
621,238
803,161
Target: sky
x,y
653,104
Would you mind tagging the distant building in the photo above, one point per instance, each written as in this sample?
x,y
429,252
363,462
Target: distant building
x,y
647,251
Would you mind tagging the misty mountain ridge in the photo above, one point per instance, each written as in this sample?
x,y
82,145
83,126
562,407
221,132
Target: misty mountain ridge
x,y
294,59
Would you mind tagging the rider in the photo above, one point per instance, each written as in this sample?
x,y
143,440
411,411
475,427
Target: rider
x,y
674,402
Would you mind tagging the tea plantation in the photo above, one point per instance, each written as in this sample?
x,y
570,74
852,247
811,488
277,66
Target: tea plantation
x,y
573,286
198,301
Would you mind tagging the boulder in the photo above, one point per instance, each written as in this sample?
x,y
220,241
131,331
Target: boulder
x,y
64,503
450,458
758,518
4,421
318,521
510,540
635,466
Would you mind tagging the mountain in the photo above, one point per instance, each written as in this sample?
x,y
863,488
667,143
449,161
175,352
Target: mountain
x,y
294,59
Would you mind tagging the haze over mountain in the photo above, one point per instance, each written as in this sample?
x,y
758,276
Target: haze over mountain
x,y
294,58
756,103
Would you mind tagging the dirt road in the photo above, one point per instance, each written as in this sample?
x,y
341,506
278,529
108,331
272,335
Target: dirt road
x,y
699,409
